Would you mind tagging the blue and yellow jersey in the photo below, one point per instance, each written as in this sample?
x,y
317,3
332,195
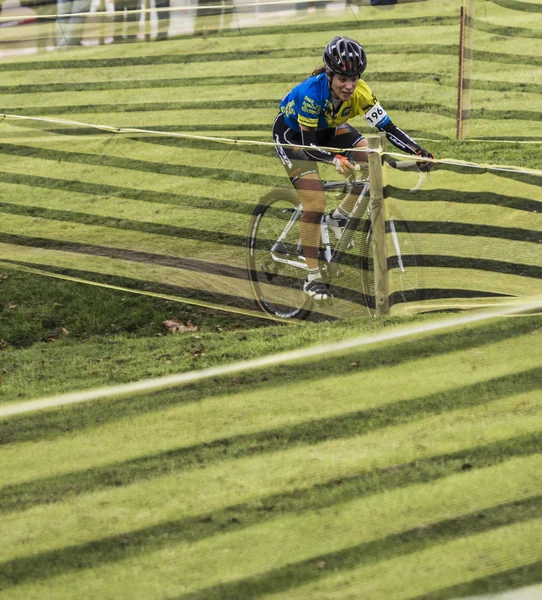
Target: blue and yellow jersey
x,y
309,104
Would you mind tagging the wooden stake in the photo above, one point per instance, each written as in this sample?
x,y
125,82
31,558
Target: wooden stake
x,y
460,74
465,68
378,222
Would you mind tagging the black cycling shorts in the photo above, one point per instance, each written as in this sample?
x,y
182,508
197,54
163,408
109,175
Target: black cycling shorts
x,y
297,161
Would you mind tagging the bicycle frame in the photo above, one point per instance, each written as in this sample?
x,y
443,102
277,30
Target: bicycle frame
x,y
330,256
333,258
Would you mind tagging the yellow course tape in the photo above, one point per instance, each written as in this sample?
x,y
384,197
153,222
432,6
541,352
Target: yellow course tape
x,y
230,141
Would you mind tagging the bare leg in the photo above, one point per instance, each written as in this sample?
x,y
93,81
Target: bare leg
x,y
311,194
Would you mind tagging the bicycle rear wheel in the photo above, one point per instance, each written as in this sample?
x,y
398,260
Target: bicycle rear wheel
x,y
277,270
405,264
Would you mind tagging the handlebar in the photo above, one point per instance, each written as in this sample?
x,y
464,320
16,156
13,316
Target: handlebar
x,y
406,165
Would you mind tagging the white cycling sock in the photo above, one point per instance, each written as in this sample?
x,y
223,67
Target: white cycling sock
x,y
313,274
339,213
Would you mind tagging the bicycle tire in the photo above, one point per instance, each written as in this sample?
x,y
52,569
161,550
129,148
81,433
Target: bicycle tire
x,y
277,287
405,268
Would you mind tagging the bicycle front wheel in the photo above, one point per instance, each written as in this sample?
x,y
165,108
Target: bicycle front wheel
x,y
405,264
275,262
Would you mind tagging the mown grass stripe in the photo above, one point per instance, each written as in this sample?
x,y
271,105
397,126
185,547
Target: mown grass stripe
x,y
499,86
508,580
426,107
467,197
492,266
155,83
106,160
372,552
189,530
211,217
55,424
91,470
190,264
487,231
103,189
217,268
486,249
230,239
459,292
519,5
509,31
218,237
381,77
214,81
276,543
464,283
502,57
523,177
153,60
482,283
214,57
199,491
454,562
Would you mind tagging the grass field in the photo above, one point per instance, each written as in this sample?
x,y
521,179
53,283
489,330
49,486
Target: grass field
x,y
291,481
409,468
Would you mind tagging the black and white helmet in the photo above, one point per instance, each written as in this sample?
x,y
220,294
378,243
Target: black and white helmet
x,y
345,56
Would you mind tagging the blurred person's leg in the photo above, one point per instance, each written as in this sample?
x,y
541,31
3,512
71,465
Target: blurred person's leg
x,y
109,22
207,17
163,19
133,15
120,6
76,22
63,7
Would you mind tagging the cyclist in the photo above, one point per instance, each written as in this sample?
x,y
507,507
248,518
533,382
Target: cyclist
x,y
315,113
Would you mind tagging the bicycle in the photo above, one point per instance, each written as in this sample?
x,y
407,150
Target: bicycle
x,y
277,267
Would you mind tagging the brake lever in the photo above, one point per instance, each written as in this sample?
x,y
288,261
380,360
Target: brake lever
x,y
422,178
410,165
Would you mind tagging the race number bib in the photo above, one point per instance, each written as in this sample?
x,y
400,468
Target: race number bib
x,y
375,114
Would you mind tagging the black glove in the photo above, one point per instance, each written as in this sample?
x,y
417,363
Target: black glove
x,y
424,166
